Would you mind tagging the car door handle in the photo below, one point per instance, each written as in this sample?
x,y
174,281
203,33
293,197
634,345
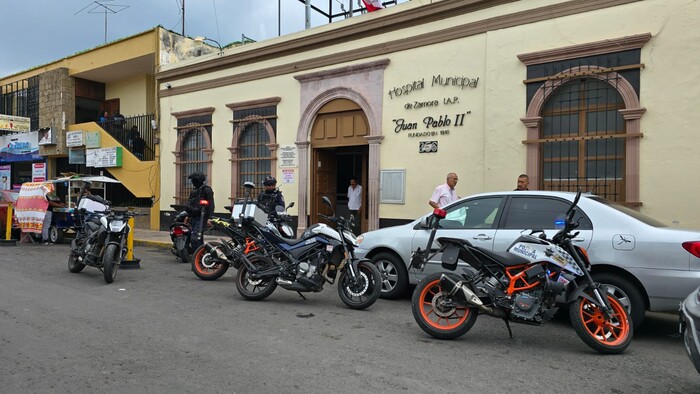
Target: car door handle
x,y
578,239
481,237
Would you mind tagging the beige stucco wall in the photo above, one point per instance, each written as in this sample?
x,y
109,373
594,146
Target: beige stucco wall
x,y
134,94
487,151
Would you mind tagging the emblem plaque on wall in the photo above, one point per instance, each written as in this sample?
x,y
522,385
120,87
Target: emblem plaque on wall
x,y
427,146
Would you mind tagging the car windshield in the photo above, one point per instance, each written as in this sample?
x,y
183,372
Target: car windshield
x,y
629,212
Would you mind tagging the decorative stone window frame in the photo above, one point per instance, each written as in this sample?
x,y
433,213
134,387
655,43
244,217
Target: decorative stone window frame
x,y
182,132
239,125
632,112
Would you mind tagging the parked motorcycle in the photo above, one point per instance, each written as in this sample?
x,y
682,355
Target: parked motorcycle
x,y
526,284
100,242
181,232
321,255
211,260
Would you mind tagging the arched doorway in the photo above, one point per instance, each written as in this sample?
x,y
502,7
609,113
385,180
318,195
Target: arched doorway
x,y
339,152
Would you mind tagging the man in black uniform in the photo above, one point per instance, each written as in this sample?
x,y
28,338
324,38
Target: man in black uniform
x,y
271,196
197,216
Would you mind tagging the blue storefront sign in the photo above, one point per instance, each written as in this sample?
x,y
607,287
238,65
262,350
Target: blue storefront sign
x,y
19,147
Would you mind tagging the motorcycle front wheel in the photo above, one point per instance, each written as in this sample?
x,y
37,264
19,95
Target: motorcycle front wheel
x,y
435,311
74,265
255,289
363,292
607,336
205,265
110,262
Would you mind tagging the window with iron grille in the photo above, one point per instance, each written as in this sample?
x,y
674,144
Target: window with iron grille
x,y
582,133
21,98
193,152
583,127
253,154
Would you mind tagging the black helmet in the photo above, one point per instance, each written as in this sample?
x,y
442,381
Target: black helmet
x,y
197,178
270,181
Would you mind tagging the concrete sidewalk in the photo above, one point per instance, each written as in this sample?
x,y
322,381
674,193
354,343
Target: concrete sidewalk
x,y
161,239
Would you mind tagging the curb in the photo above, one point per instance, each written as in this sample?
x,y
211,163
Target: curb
x,y
153,244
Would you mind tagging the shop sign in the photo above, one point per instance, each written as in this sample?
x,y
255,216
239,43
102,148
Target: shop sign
x,y
104,157
288,156
75,138
5,177
15,123
38,172
46,136
92,139
76,156
19,147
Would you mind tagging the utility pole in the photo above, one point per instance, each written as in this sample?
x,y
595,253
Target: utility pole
x,y
183,18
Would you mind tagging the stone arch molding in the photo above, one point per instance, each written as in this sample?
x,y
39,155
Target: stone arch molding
x,y
632,114
318,89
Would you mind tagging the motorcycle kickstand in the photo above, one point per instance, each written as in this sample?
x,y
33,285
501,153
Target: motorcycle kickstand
x,y
301,295
510,333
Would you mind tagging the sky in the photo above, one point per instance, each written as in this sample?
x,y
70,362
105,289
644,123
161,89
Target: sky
x,y
36,32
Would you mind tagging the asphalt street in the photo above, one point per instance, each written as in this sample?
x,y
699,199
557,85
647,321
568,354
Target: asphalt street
x,y
161,329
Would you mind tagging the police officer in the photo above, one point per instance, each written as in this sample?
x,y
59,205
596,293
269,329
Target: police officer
x,y
271,196
196,215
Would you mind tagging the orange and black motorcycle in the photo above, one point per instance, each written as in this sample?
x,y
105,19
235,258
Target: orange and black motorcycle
x,y
527,284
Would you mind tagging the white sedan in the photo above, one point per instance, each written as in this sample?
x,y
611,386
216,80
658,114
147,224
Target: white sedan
x,y
648,265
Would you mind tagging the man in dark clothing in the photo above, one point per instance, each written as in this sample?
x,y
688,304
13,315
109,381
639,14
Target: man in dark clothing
x,y
523,182
271,196
198,215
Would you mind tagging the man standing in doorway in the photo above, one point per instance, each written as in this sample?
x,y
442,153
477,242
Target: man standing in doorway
x,y
355,203
445,193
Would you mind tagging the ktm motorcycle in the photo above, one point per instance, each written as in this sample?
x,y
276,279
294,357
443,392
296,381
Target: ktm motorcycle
x,y
211,260
527,284
321,255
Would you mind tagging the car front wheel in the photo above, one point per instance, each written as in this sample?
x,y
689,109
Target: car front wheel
x,y
629,296
394,275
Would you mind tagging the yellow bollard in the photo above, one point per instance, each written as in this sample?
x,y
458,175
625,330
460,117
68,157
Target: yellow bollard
x,y
8,227
130,241
129,260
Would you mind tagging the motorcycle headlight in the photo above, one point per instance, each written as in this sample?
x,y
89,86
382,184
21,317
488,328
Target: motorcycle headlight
x,y
116,225
350,237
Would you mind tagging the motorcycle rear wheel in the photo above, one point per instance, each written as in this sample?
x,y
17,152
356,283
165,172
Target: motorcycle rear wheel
x,y
364,292
435,314
605,336
206,266
74,265
255,289
110,262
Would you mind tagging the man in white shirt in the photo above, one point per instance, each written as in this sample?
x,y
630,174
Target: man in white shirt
x,y
445,193
355,202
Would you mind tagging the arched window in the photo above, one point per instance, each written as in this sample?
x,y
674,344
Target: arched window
x,y
254,155
193,159
193,149
254,144
582,132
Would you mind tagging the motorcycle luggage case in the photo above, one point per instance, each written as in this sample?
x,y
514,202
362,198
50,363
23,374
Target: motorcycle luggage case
x,y
253,211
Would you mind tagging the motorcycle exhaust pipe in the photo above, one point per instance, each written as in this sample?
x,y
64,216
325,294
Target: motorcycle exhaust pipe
x,y
469,295
221,255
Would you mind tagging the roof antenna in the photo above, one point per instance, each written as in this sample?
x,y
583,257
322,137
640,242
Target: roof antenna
x,y
98,7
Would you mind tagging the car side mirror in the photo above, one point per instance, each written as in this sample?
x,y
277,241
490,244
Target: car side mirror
x,y
425,222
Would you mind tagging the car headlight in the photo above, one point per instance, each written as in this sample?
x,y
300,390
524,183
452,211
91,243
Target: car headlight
x,y
360,238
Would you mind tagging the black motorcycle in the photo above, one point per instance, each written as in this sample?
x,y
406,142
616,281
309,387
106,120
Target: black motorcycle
x,y
527,284
321,255
211,260
100,241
